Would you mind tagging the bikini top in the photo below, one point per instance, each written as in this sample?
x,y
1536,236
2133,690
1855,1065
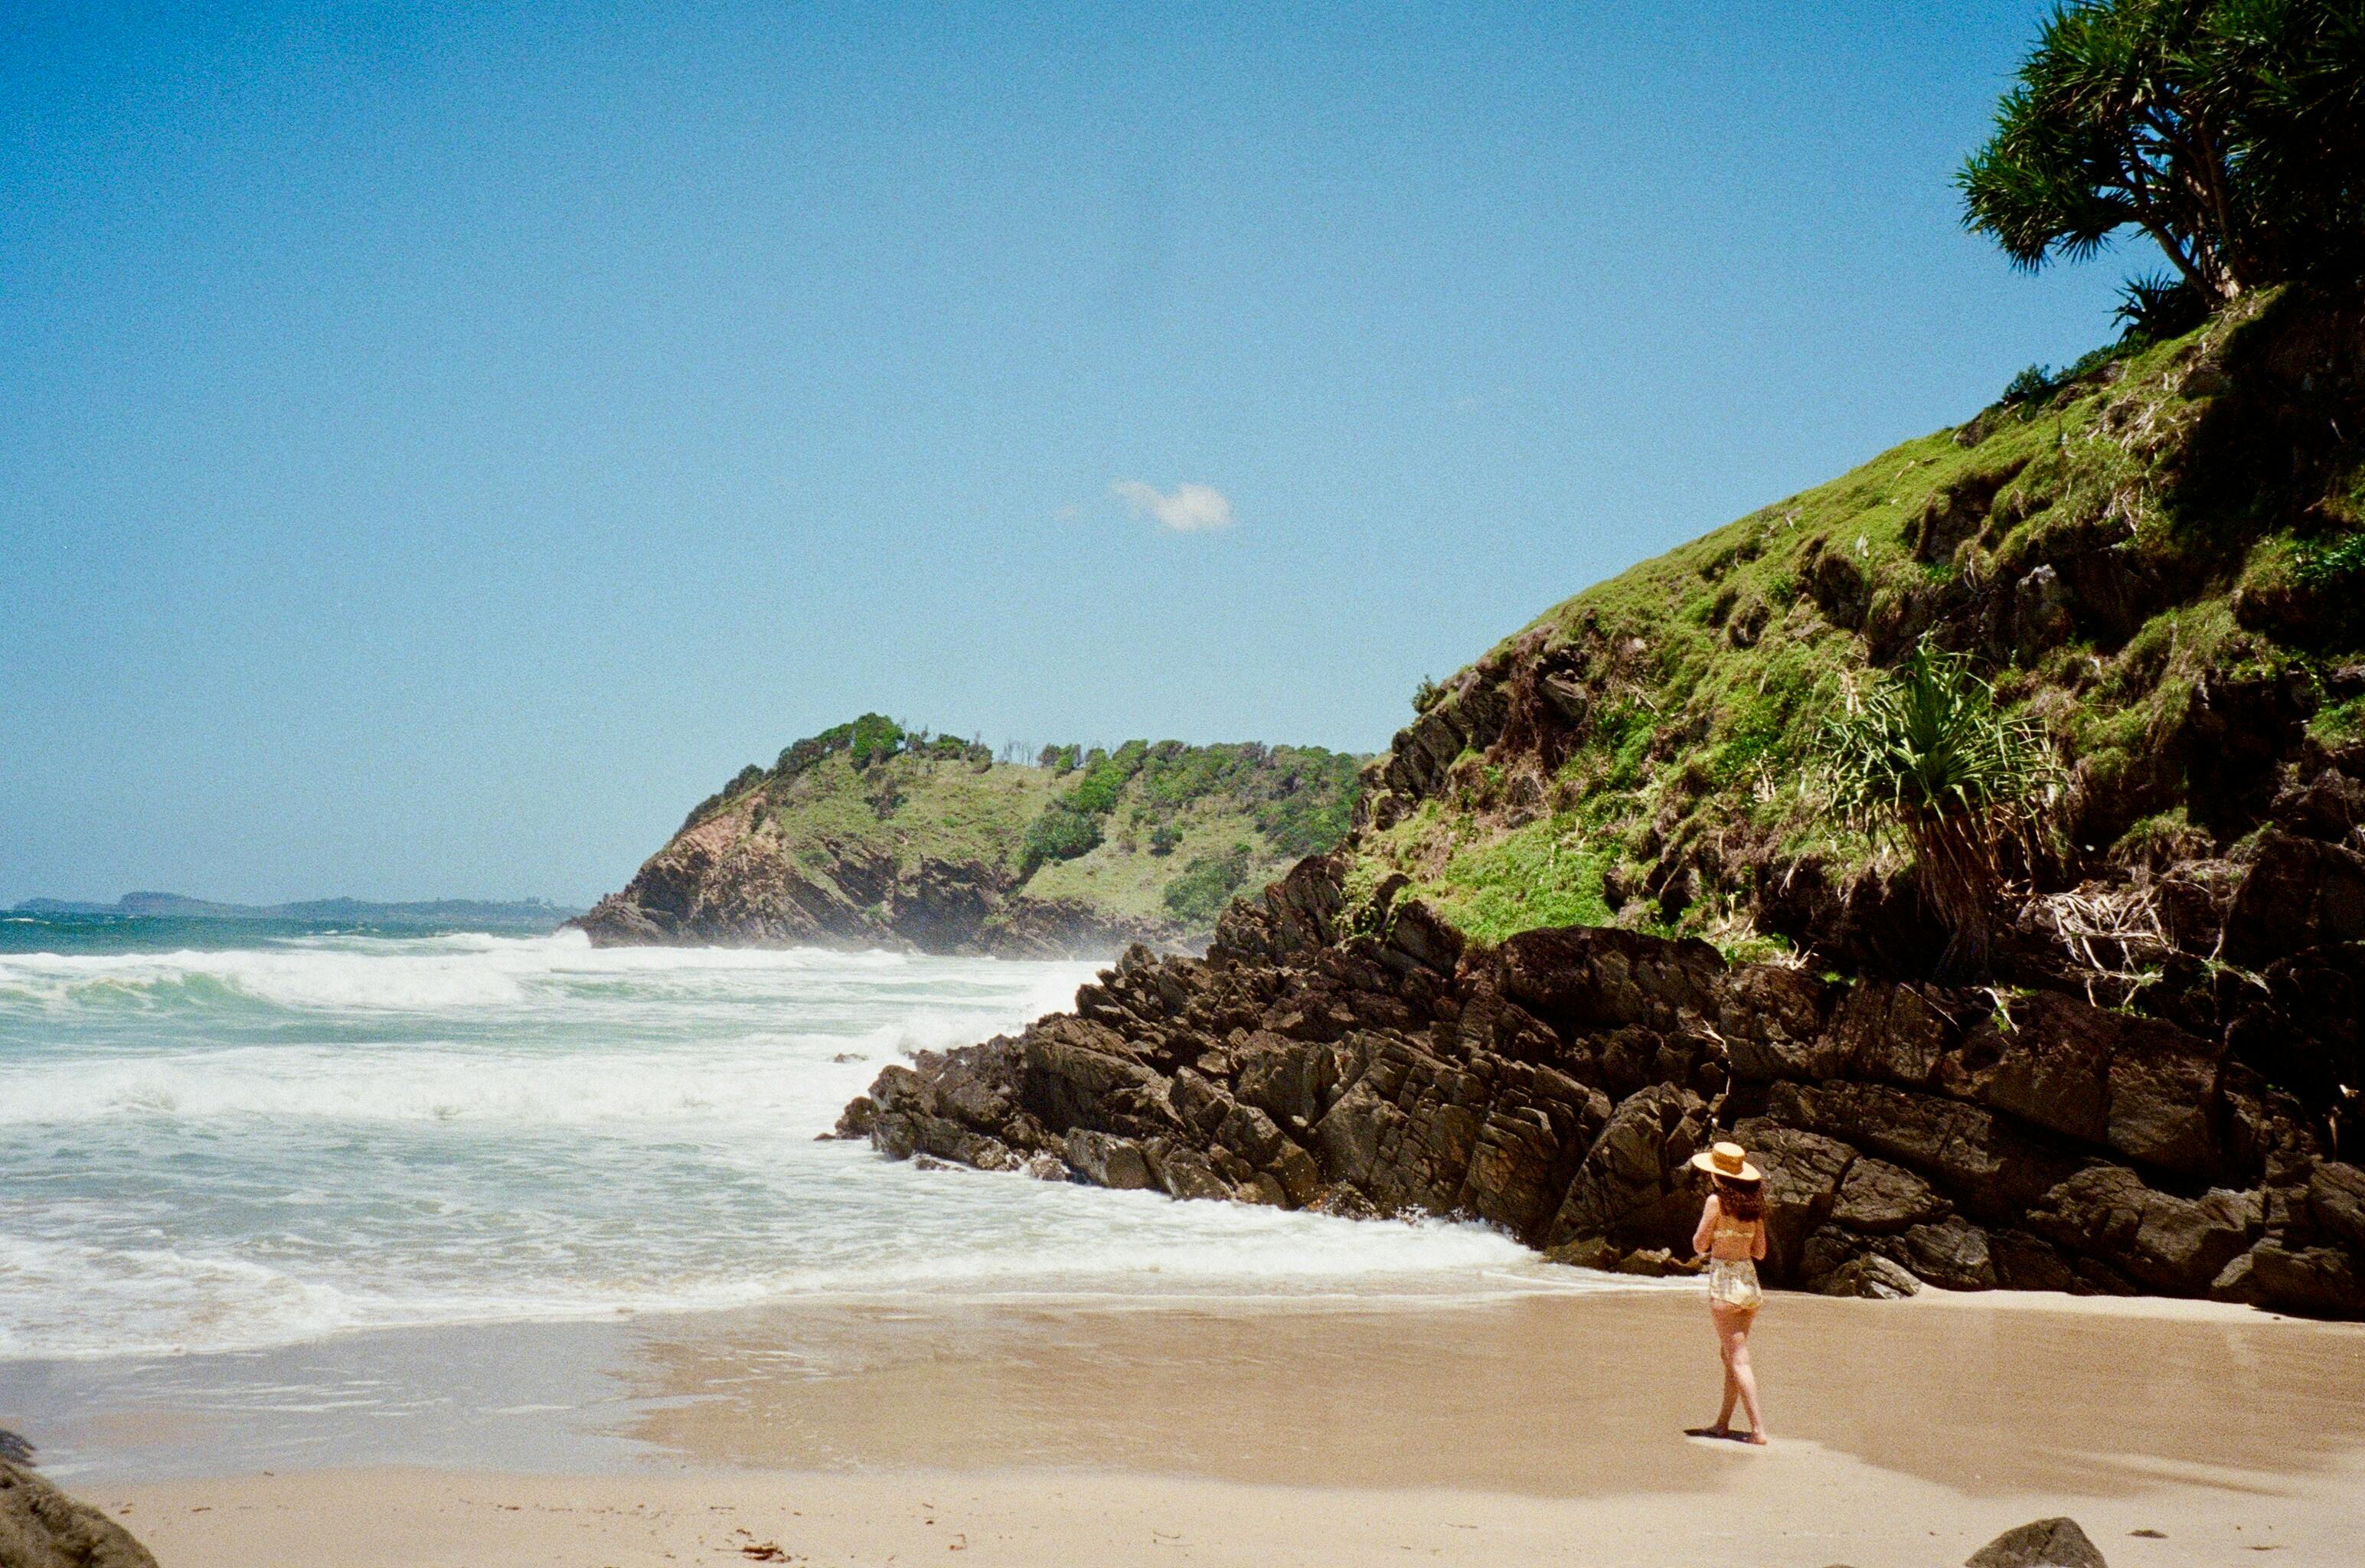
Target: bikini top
x,y
1742,1232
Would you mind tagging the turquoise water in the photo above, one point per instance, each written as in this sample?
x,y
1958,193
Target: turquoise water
x,y
223,1138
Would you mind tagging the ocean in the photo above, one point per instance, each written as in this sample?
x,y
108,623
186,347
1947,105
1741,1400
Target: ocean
x,y
220,1139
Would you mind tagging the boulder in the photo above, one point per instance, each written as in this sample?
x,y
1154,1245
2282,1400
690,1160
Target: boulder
x,y
2163,1098
2173,1244
1804,1172
2313,1281
1079,1073
2046,1543
1986,1166
1181,1172
40,1527
1951,1253
895,1135
2328,807
2050,1065
1772,1021
2299,892
1525,1155
2336,1200
2025,1262
2144,1086
1583,978
1871,1276
1286,1079
1107,1161
1634,1186
1894,1032
1881,1199
2308,1036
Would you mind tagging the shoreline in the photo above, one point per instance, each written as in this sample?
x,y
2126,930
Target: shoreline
x,y
1123,1430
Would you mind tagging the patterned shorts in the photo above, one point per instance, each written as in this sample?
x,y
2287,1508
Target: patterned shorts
x,y
1733,1282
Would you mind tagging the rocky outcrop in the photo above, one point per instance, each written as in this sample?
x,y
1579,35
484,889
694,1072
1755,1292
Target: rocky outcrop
x,y
1557,1086
718,884
40,1527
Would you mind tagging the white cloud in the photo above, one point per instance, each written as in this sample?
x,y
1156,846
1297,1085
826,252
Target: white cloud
x,y
1192,509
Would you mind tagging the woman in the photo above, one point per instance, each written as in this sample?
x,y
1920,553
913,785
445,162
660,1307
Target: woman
x,y
1732,1233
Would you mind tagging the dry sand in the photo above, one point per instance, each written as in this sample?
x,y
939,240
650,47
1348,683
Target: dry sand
x,y
1541,1428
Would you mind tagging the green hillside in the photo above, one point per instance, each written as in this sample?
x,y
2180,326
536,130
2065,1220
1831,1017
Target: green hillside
x,y
873,832
2157,557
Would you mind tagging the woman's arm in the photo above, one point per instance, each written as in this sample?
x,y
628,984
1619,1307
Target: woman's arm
x,y
1707,1225
1757,1247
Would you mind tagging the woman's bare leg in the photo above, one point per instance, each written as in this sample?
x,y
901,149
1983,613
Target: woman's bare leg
x,y
1721,1317
1734,1330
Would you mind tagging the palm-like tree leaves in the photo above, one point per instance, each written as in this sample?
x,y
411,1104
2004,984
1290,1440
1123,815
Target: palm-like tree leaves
x,y
1929,757
2231,131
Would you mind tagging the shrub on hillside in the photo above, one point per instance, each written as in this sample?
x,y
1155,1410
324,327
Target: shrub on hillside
x,y
1199,893
871,738
1059,834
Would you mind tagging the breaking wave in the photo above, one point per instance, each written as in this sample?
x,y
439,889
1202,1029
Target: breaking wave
x,y
209,1149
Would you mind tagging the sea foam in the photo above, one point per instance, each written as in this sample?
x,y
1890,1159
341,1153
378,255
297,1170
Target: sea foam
x,y
212,1150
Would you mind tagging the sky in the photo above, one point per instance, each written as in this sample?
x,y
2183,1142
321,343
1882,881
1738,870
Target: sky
x,y
440,444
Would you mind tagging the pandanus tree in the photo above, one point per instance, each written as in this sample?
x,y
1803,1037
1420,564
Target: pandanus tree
x,y
2230,131
1927,758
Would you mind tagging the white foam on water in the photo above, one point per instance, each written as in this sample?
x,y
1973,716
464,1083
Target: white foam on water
x,y
226,1149
430,974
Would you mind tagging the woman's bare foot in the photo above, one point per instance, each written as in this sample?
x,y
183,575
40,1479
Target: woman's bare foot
x,y
1756,1440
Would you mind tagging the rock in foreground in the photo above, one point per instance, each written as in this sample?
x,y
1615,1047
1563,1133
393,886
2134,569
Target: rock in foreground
x,y
2046,1543
40,1527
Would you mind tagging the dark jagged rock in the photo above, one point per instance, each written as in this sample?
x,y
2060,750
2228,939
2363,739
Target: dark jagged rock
x,y
1872,1277
40,1527
1556,1086
2046,1543
2298,893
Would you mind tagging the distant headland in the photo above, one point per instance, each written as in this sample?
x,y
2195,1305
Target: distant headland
x,y
530,915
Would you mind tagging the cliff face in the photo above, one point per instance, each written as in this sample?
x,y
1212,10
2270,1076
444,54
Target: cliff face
x,y
2160,560
871,837
1594,914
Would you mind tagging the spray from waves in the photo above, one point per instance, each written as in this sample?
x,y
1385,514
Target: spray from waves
x,y
718,1062
787,1084
454,973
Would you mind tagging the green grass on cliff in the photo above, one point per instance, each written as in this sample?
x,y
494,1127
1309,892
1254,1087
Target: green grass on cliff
x,y
1708,669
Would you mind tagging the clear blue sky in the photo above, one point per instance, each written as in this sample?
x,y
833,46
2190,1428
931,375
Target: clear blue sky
x,y
441,442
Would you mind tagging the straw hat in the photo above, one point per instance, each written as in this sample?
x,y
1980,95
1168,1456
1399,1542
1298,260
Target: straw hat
x,y
1727,1159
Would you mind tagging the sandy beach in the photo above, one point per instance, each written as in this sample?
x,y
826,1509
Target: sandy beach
x,y
1534,1428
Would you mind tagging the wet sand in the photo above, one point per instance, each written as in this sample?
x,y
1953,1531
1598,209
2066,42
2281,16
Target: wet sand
x,y
1532,1428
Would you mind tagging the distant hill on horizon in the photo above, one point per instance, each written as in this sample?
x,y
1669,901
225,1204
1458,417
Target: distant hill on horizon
x,y
872,836
536,914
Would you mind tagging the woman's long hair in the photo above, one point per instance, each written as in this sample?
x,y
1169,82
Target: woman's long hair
x,y
1741,1200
